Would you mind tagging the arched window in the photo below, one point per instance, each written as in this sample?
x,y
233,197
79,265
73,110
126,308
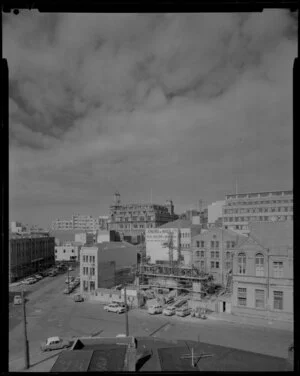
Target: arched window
x,y
241,263
259,265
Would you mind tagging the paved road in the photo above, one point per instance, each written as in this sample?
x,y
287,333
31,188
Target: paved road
x,y
50,313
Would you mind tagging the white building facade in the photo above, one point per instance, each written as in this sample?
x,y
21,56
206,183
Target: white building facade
x,y
244,208
67,252
84,238
157,243
215,211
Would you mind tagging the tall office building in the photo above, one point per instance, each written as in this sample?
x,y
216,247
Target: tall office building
x,y
243,208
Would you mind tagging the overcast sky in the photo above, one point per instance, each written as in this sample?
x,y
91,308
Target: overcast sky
x,y
180,104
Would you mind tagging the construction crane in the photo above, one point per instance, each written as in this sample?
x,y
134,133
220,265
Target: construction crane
x,y
170,244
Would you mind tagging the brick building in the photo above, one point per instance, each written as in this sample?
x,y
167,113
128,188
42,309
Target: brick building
x,y
263,272
212,252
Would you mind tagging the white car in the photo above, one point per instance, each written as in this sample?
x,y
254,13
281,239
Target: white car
x,y
55,343
71,279
114,307
169,311
152,310
29,281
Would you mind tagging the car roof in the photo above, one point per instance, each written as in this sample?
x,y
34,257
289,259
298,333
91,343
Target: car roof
x,y
51,339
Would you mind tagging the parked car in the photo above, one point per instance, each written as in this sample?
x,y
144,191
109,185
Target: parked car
x,y
169,311
157,308
183,311
67,290
169,300
17,299
55,343
53,273
78,298
114,307
70,268
180,303
38,277
29,281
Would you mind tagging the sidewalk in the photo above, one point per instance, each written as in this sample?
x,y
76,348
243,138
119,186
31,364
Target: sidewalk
x,y
247,320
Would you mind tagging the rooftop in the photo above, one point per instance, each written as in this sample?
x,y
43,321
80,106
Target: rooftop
x,y
273,234
153,354
180,223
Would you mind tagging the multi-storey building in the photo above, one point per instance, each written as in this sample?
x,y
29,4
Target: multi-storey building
x,y
17,227
212,252
133,219
67,252
29,254
77,222
100,264
241,209
263,272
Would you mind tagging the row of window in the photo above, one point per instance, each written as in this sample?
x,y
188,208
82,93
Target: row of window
x,y
86,285
260,266
259,210
85,258
64,251
213,254
85,271
256,218
215,244
259,298
262,202
215,265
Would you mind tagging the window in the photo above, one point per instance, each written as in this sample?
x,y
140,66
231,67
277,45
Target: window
x,y
202,243
278,300
73,251
212,254
228,255
198,244
56,251
277,269
202,264
212,244
228,245
92,286
217,244
241,263
259,265
202,253
228,265
242,296
217,254
259,299
217,264
197,253
232,244
212,264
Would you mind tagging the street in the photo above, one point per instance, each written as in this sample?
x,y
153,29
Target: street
x,y
51,313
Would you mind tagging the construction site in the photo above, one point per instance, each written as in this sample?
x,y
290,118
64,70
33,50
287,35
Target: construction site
x,y
172,281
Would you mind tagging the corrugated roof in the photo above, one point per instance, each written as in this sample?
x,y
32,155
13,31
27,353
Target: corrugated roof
x,y
273,234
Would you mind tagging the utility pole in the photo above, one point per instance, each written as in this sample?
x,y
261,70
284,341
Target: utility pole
x,y
126,312
26,345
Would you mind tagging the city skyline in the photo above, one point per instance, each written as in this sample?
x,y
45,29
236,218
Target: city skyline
x,y
156,106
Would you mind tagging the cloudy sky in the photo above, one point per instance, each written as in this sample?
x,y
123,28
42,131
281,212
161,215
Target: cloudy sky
x,y
180,104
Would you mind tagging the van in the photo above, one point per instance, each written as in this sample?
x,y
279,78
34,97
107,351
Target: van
x,y
152,310
183,311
